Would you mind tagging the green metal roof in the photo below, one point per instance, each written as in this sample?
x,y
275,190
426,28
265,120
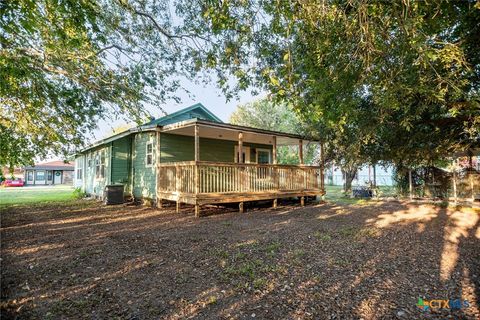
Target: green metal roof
x,y
197,110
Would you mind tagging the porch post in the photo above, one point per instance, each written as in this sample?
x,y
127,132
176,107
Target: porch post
x,y
177,186
240,147
274,151
275,173
300,151
242,172
300,157
197,143
197,180
158,151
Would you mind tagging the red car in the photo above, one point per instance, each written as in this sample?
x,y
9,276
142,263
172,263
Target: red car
x,y
14,183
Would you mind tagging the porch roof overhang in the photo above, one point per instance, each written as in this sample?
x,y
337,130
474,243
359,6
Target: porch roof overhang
x,y
225,131
213,130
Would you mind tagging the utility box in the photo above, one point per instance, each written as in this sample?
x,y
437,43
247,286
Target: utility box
x,y
362,192
113,194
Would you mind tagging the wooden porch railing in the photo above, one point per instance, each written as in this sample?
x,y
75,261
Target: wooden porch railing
x,y
217,177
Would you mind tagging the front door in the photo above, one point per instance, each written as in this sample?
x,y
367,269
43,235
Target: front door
x,y
57,177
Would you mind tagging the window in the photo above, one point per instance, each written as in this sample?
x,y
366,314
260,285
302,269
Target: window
x,y
49,175
149,155
97,165
89,163
79,174
30,176
40,175
263,156
102,164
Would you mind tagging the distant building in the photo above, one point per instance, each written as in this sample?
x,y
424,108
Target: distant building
x,y
49,173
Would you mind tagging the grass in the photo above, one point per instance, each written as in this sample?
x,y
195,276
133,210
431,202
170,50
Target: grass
x,y
324,237
335,194
35,195
240,267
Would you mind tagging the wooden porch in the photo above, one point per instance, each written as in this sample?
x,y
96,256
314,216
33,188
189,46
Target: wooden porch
x,y
201,182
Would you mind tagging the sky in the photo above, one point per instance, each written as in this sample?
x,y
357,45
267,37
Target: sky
x,y
209,95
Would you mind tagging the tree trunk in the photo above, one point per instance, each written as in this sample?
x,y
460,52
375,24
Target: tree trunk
x,y
349,175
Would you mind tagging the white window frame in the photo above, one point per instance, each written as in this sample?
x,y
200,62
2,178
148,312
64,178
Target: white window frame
x,y
263,150
44,175
97,164
148,165
79,174
79,167
103,161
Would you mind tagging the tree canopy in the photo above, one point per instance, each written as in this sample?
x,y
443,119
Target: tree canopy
x,y
270,115
416,64
66,64
400,79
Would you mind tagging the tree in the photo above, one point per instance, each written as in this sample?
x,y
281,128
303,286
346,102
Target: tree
x,y
266,114
66,64
417,62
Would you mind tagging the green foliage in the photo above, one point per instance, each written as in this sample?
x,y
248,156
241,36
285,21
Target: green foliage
x,y
381,81
78,193
427,181
267,115
270,115
377,80
66,64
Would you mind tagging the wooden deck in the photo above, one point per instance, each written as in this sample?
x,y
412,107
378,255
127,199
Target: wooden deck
x,y
202,182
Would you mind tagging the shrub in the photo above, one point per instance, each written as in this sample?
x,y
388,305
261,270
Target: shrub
x,y
78,193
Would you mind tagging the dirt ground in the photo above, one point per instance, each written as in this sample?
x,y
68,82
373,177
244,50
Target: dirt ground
x,y
323,261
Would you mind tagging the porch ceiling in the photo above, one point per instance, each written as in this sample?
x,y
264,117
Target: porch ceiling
x,y
230,132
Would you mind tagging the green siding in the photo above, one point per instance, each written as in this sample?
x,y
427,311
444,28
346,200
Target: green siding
x,y
181,148
94,185
144,180
176,148
128,160
121,162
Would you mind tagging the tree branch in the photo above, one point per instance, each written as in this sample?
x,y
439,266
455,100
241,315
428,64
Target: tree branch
x,y
162,30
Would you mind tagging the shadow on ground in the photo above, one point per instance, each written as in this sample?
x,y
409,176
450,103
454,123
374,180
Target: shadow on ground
x,y
371,260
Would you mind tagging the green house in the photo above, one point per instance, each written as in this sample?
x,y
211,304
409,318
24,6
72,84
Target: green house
x,y
192,157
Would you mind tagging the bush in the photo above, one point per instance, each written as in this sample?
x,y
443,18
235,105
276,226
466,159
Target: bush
x,y
427,181
78,193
